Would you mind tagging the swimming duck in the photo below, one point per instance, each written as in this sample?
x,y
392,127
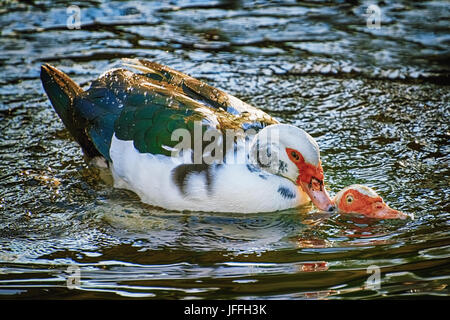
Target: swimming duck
x,y
181,144
363,200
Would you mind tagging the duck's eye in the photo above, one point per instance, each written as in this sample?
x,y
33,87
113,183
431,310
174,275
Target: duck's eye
x,y
349,198
295,155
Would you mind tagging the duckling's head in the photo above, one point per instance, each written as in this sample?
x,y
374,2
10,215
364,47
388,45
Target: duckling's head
x,y
363,200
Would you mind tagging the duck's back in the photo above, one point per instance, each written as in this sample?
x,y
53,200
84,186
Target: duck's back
x,y
144,108
130,119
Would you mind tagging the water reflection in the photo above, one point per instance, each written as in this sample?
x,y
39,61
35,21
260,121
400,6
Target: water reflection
x,y
375,100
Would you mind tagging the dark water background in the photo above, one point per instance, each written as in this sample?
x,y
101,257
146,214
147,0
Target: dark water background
x,y
376,100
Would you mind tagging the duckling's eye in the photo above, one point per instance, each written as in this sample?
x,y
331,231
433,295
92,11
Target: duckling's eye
x,y
349,198
295,155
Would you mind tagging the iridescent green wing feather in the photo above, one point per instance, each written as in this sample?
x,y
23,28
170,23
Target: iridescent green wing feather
x,y
203,93
147,108
127,105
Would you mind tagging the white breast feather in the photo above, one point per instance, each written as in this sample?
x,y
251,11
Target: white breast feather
x,y
234,188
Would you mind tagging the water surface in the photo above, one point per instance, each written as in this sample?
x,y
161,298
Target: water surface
x,y
376,100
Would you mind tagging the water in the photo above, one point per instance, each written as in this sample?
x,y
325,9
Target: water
x,y
376,100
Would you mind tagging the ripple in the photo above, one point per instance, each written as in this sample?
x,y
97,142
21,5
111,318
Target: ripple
x,y
375,100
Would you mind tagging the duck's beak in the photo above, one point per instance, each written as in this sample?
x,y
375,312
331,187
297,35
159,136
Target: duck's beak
x,y
319,196
388,213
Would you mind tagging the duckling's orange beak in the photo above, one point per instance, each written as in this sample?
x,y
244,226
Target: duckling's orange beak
x,y
380,210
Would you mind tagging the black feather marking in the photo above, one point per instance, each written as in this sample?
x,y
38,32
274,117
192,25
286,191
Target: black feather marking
x,y
258,159
252,168
286,192
181,173
282,166
269,151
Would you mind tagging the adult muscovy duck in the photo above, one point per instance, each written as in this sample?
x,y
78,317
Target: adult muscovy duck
x,y
152,130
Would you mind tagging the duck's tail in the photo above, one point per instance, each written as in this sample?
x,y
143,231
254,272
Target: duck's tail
x,y
62,92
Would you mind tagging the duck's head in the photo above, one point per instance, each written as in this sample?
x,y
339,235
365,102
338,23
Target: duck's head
x,y
290,152
363,200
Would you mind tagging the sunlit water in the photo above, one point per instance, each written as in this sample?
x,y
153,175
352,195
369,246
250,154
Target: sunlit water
x,y
376,100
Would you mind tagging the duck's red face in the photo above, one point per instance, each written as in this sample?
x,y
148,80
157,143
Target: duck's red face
x,y
363,200
310,179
